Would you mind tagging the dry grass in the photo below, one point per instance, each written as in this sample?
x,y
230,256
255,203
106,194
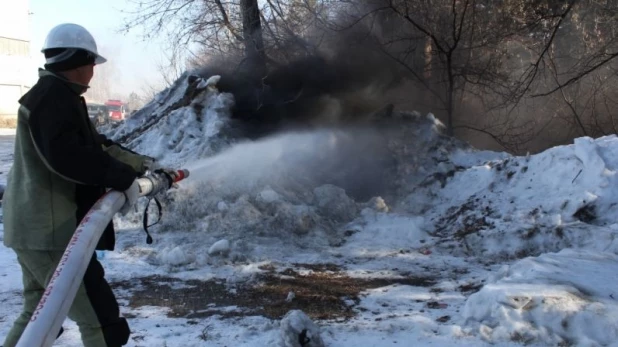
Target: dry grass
x,y
323,293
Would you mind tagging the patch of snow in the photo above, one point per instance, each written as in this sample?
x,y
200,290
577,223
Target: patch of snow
x,y
333,202
175,256
468,157
221,247
560,298
268,196
7,131
527,205
210,82
297,330
183,120
395,233
222,206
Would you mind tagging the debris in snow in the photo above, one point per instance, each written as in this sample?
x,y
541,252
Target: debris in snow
x,y
436,305
221,247
297,330
290,186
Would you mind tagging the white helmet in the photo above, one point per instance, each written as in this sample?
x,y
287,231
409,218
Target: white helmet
x,y
73,37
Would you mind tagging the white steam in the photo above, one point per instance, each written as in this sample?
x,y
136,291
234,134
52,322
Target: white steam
x,y
281,158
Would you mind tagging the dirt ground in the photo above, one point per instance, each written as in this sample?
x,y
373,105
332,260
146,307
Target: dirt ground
x,y
323,293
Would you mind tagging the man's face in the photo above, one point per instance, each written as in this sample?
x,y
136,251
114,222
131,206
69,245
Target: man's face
x,y
85,74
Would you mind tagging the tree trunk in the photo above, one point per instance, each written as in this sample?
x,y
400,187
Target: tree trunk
x,y
450,95
252,36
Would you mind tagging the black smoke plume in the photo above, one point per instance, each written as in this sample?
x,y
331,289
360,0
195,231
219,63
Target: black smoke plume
x,y
344,82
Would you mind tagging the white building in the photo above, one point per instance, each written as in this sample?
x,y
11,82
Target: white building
x,y
16,63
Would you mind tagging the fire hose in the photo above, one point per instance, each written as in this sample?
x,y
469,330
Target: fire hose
x,y
58,297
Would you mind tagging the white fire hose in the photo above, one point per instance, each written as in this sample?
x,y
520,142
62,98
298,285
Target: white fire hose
x,y
58,297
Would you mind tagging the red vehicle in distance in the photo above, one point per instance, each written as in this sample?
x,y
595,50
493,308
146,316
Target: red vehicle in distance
x,y
117,110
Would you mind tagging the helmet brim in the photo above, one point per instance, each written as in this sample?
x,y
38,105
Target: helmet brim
x,y
99,60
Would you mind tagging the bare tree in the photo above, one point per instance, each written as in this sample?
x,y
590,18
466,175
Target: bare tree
x,y
590,43
509,69
454,48
213,24
172,67
576,73
252,37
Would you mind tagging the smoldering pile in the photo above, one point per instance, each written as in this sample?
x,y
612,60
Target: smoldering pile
x,y
301,177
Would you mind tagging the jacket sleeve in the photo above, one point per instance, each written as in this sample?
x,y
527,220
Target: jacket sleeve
x,y
139,162
55,132
108,143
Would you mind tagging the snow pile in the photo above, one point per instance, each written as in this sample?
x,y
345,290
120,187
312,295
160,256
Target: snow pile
x,y
312,185
221,247
396,233
297,330
312,218
566,298
304,187
184,122
175,256
513,207
191,120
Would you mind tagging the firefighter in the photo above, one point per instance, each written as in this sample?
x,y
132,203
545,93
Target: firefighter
x,y
62,166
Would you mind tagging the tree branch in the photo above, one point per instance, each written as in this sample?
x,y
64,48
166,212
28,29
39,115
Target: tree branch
x,y
611,57
226,21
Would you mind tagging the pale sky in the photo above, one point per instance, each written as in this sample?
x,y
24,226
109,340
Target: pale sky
x,y
135,61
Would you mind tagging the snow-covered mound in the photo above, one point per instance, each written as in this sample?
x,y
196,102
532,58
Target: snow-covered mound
x,y
517,206
184,122
289,187
305,187
316,182
396,186
563,299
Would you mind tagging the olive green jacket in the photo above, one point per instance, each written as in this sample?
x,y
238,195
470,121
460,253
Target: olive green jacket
x,y
61,167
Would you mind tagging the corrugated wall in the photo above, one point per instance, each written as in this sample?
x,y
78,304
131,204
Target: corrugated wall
x,y
15,55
